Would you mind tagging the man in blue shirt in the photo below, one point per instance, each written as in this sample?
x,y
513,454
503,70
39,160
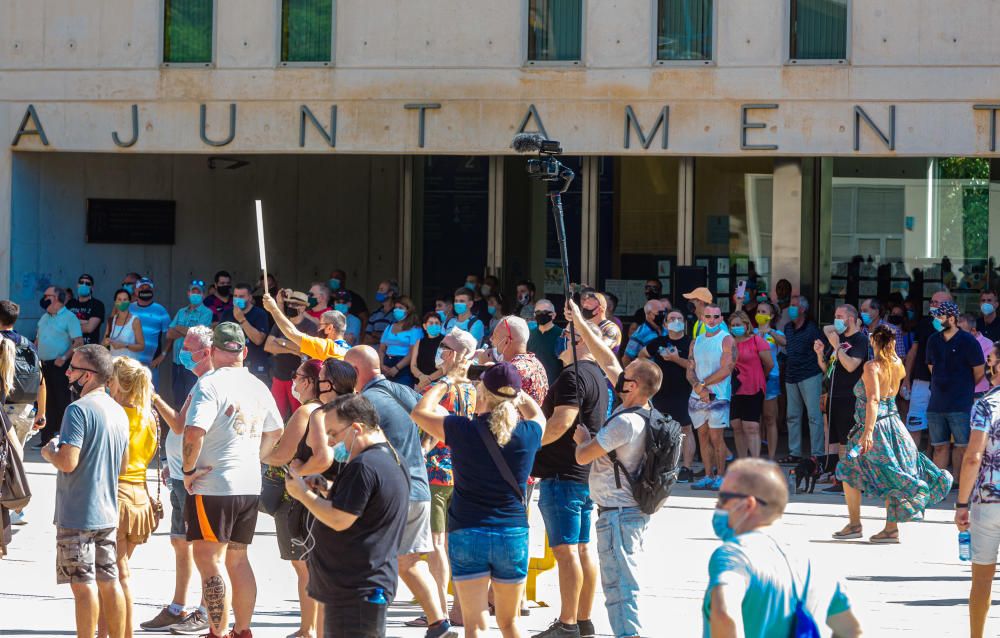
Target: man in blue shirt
x,y
956,363
254,322
803,380
155,323
464,318
656,315
196,313
58,335
755,581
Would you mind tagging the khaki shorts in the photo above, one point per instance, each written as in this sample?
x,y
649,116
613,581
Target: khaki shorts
x,y
417,534
85,555
440,499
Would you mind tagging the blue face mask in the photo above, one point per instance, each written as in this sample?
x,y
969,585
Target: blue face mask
x,y
381,297
442,316
720,525
738,331
987,308
471,285
434,330
712,331
492,310
793,312
84,290
195,299
187,360
398,314
340,453
532,325
911,315
840,326
866,318
938,325
676,326
341,308
460,308
240,303
334,284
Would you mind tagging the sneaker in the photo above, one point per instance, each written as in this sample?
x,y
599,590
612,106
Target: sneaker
x,y
716,484
195,623
836,488
705,483
441,630
586,628
685,475
163,620
17,518
559,630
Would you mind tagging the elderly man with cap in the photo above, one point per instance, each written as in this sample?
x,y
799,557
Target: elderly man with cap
x,y
196,313
956,363
155,323
655,315
231,422
285,354
329,340
89,310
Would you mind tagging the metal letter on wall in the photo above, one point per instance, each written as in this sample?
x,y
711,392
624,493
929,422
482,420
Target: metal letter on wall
x,y
631,120
888,140
135,130
422,108
533,112
746,126
331,137
992,108
232,126
22,130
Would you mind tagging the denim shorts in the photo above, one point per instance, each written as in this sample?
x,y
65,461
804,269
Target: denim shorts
x,y
178,495
498,552
566,510
943,426
773,390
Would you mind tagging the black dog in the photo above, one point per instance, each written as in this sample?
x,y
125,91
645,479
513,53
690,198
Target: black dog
x,y
809,469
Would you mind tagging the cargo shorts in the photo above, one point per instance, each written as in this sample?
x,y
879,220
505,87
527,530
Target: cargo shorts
x,y
86,555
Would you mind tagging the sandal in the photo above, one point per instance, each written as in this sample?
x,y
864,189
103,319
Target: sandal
x,y
848,533
885,537
789,460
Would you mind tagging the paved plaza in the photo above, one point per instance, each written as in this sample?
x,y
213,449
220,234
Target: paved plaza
x,y
917,588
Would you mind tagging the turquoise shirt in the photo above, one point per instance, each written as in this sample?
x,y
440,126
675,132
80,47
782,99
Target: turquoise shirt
x,y
155,321
56,333
188,317
399,344
753,564
477,329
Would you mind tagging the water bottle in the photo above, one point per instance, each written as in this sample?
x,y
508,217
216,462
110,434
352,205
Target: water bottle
x,y
855,452
378,598
792,480
965,546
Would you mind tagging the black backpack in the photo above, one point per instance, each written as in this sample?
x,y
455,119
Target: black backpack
x,y
27,372
657,471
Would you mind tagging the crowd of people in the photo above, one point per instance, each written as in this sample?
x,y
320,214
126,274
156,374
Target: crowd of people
x,y
377,435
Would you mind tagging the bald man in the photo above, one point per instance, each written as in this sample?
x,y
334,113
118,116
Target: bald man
x,y
751,591
394,403
656,314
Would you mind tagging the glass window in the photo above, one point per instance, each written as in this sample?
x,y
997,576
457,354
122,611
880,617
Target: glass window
x,y
684,30
306,30
818,30
187,31
555,30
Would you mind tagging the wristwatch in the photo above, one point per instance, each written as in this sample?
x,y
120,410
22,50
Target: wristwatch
x,y
961,506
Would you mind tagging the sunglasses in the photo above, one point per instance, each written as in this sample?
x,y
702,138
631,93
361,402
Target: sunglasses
x,y
713,316
198,282
72,368
725,497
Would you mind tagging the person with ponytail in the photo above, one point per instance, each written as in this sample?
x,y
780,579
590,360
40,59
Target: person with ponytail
x,y
488,523
882,460
131,386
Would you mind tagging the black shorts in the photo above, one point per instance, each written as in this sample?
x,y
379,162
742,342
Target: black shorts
x,y
840,411
746,407
221,519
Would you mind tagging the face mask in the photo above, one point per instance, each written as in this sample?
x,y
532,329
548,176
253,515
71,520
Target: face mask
x,y
44,303
896,320
938,325
532,325
296,394
381,297
442,316
543,318
291,312
492,310
340,452
195,299
763,320
987,308
712,331
523,299
497,356
240,303
660,318
620,384
761,298
746,297
911,315
840,326
720,525
651,294
675,326
438,359
588,313
76,387
470,285
145,295
398,314
434,330
130,288
486,289
793,312
187,360
866,318
224,290
122,306
460,308
738,331
334,284
312,301
341,308
84,290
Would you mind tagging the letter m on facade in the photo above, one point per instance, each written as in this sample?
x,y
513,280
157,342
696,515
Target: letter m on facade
x,y
632,121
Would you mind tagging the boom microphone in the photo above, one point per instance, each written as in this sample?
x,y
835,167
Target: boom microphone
x,y
527,142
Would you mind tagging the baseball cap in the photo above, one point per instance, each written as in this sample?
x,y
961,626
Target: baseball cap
x,y
229,336
503,380
342,296
145,281
701,294
298,297
86,276
946,309
463,343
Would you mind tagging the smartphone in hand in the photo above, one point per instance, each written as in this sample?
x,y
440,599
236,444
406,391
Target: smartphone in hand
x,y
741,289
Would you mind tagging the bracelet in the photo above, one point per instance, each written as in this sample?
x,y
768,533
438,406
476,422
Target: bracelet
x,y
187,473
961,506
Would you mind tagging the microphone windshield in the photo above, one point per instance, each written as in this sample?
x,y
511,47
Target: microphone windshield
x,y
527,142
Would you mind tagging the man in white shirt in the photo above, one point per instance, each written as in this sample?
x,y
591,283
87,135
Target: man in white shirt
x,y
231,421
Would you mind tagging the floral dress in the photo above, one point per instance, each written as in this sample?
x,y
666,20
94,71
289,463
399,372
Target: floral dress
x,y
460,400
893,470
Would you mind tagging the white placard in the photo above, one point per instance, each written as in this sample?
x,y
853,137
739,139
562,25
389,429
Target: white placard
x,y
260,241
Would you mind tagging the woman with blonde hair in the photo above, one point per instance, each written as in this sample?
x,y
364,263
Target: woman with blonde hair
x,y
131,385
492,454
883,461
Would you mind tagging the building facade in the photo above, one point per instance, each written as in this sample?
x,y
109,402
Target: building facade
x,y
845,145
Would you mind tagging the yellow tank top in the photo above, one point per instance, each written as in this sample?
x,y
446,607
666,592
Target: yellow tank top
x,y
141,445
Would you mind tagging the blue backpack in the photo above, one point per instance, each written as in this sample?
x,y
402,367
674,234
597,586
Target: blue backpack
x,y
803,624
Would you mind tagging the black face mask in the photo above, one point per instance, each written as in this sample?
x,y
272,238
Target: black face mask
x,y
660,318
543,319
44,303
76,387
620,384
225,291
313,301
291,312
145,295
587,313
896,320
652,293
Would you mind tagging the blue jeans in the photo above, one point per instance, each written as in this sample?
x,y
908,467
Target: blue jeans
x,y
805,395
620,534
566,508
498,552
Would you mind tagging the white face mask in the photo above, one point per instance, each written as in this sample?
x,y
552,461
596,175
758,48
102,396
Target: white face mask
x,y
497,355
438,359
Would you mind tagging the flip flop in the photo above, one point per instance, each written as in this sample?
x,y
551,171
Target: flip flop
x,y
885,538
848,533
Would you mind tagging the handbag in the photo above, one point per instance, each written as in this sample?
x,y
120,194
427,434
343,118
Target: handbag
x,y
272,491
155,503
14,490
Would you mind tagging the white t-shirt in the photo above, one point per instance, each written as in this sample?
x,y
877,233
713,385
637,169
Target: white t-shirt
x,y
174,445
234,408
625,434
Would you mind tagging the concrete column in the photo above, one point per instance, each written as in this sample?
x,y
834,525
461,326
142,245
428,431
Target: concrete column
x,y
590,221
786,240
494,240
6,216
685,211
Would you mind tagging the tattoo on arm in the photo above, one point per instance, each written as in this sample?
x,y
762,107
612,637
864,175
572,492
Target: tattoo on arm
x,y
214,591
